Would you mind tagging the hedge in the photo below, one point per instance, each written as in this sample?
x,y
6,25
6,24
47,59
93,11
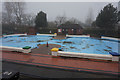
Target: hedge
x,y
100,32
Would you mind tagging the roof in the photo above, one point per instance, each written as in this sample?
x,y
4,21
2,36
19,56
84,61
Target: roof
x,y
72,26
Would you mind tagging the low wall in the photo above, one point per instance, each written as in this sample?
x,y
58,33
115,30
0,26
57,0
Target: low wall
x,y
77,35
13,35
85,55
103,37
6,48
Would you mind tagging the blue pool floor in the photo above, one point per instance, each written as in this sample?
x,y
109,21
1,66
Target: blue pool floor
x,y
71,44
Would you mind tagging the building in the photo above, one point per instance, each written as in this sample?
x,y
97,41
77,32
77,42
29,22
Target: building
x,y
70,29
31,31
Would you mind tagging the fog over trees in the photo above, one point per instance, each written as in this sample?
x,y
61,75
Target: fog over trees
x,y
60,20
14,13
90,17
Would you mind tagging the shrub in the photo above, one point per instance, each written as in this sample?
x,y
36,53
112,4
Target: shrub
x,y
102,32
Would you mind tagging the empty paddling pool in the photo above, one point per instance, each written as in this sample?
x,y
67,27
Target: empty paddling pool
x,y
70,44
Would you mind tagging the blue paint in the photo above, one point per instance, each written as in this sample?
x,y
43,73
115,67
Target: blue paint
x,y
75,44
114,53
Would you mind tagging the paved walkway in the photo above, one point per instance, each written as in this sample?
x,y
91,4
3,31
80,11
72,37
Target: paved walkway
x,y
63,63
60,37
43,49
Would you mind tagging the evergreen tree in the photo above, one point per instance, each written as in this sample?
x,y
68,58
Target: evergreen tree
x,y
41,20
107,18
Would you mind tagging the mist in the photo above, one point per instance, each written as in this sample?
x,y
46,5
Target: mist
x,y
78,10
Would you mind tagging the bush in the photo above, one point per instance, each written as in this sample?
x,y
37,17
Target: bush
x,y
47,30
102,32
13,29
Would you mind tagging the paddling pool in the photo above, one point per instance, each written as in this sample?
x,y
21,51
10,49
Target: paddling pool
x,y
70,44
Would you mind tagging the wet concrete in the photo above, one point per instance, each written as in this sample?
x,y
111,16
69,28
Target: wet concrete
x,y
43,49
60,37
44,72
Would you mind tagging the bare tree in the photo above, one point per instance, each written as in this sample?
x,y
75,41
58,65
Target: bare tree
x,y
28,20
0,14
14,12
89,19
74,20
60,20
0,17
51,24
7,14
4,18
18,10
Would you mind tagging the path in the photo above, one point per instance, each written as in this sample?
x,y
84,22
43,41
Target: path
x,y
43,49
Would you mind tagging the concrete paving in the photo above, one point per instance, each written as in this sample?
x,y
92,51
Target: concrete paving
x,y
43,72
43,49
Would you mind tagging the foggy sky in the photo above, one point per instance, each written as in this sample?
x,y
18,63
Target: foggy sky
x,y
77,10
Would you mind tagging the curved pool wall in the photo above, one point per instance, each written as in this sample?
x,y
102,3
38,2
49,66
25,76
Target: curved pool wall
x,y
79,44
25,40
